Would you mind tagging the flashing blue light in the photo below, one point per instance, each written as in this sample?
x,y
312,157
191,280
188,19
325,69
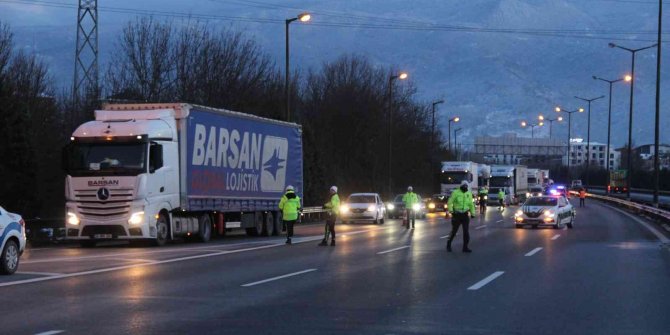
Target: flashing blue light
x,y
560,187
553,192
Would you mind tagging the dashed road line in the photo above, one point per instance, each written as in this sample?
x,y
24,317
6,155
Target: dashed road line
x,y
533,252
392,250
278,277
51,332
500,221
556,237
486,280
481,227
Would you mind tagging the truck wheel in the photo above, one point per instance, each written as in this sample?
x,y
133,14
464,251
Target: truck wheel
x,y
269,224
277,222
257,229
87,244
162,230
9,259
204,228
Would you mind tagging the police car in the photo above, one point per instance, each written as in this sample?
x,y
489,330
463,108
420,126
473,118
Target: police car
x,y
555,211
12,241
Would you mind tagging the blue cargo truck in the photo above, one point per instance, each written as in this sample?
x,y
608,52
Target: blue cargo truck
x,y
163,171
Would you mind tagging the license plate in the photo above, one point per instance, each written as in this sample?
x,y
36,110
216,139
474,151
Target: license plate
x,y
102,236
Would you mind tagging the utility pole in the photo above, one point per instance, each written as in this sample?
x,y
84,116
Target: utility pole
x,y
86,55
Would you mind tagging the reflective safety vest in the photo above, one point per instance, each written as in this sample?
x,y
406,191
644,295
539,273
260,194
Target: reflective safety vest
x,y
289,205
333,206
461,202
410,199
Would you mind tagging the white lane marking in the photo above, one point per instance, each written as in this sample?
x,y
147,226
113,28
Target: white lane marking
x,y
646,225
38,273
445,236
486,280
392,250
278,277
533,252
177,249
180,259
556,237
499,221
51,332
481,227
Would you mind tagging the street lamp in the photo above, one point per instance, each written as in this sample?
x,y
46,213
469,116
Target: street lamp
x,y
304,17
551,121
532,126
456,142
609,120
570,112
588,134
392,78
453,119
630,113
432,129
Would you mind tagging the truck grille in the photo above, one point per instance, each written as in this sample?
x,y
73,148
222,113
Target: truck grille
x,y
90,206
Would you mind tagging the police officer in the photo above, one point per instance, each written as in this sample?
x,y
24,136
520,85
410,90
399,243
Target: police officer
x,y
410,198
481,197
501,198
582,197
461,208
290,208
333,207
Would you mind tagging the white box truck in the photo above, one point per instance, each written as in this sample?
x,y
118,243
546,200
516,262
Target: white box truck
x,y
453,174
162,171
512,179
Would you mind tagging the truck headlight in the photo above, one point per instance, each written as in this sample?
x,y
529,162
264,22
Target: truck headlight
x,y
72,219
431,205
136,218
371,208
344,209
390,207
416,207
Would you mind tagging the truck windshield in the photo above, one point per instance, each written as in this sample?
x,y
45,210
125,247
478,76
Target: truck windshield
x,y
449,177
532,180
500,181
95,159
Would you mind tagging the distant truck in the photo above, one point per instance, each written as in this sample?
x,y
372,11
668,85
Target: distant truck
x,y
484,175
513,179
618,181
157,172
576,184
535,177
454,173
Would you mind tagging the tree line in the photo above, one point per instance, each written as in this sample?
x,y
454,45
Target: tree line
x,y
343,106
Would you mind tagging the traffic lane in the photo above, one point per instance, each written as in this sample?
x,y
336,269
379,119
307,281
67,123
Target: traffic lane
x,y
202,276
606,276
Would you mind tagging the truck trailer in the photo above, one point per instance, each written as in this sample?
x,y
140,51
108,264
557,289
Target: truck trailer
x,y
512,179
158,172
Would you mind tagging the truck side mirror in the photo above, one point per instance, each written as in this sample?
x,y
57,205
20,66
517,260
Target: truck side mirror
x,y
155,157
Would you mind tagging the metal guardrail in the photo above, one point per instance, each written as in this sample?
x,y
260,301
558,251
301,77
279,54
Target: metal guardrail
x,y
638,208
635,190
311,214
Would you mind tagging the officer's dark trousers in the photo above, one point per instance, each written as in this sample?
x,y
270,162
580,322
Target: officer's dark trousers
x,y
581,202
460,219
289,227
330,227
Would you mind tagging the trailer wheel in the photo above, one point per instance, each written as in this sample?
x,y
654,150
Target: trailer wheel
x,y
269,224
162,230
257,229
204,228
277,222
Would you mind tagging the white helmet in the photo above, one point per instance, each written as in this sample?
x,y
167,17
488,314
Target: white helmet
x,y
289,188
409,189
465,182
333,188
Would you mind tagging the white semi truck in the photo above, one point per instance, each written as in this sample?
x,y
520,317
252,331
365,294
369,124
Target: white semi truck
x,y
454,173
158,172
512,179
535,177
484,173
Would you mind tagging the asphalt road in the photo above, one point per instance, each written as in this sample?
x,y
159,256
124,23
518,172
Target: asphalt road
x,y
609,275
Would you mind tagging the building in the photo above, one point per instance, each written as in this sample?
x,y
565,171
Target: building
x,y
579,149
512,149
646,154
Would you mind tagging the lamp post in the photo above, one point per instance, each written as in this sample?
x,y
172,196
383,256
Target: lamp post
x,y
658,104
432,129
588,135
304,17
456,142
453,119
569,112
609,121
532,126
551,121
392,78
629,152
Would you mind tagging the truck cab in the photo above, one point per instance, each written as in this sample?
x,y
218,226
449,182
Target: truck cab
x,y
454,173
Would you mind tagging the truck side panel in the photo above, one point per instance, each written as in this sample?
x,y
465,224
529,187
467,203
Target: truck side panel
x,y
239,164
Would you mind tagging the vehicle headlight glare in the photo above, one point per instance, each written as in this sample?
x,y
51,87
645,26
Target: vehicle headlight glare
x,y
548,213
371,208
431,205
72,219
136,218
416,207
344,209
518,213
390,207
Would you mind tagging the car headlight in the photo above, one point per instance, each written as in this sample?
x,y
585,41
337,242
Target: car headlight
x,y
371,208
136,218
527,195
518,213
390,207
344,209
431,205
486,197
72,219
548,213
416,207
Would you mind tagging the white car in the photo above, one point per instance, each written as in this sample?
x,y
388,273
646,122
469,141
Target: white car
x,y
12,241
555,211
363,207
